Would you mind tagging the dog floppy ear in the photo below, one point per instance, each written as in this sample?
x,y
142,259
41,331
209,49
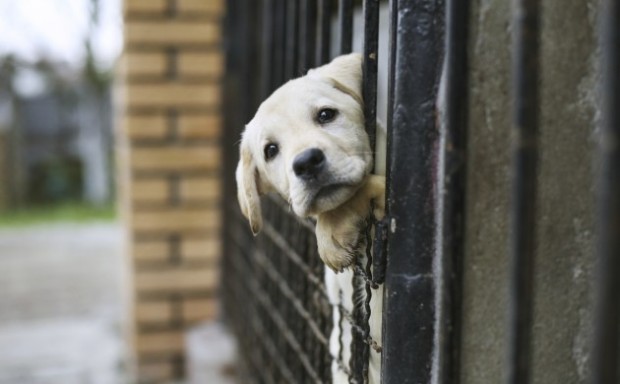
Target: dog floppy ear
x,y
247,189
344,73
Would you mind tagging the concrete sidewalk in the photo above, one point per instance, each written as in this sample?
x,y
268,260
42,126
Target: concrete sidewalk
x,y
61,305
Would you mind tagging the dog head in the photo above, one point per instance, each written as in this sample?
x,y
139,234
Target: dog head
x,y
307,142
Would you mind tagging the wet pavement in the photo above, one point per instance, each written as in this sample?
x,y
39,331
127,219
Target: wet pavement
x,y
61,305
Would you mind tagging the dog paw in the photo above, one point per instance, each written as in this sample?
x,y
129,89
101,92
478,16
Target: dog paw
x,y
376,192
338,239
339,231
336,256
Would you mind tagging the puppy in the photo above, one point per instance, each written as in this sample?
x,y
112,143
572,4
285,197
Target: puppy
x,y
307,143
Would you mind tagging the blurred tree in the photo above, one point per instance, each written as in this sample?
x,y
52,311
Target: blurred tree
x,y
13,178
95,137
68,117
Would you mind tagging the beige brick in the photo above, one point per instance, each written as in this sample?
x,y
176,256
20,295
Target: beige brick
x,y
200,126
212,7
200,64
170,342
146,127
153,311
166,32
154,190
156,371
145,5
193,188
195,310
205,158
177,280
151,251
207,249
179,219
146,63
171,94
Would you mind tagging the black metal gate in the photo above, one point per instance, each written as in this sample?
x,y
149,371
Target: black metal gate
x,y
274,295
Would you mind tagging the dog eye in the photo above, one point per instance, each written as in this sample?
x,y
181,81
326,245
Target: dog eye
x,y
271,150
326,115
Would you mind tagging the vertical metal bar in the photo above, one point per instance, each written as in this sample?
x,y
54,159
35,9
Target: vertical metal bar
x,y
345,24
292,36
325,19
393,34
606,352
267,48
256,39
279,43
360,349
252,56
413,142
241,56
369,68
307,36
239,70
229,157
526,65
453,172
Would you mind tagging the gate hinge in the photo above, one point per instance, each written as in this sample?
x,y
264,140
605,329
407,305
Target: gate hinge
x,y
379,250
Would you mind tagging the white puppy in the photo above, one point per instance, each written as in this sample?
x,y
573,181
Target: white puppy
x,y
307,142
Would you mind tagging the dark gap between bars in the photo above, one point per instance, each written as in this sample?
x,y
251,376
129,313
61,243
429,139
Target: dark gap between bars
x,y
607,312
345,24
307,37
292,36
324,32
453,196
267,48
526,66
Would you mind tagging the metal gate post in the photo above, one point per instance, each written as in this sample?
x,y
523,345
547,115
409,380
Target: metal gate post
x,y
413,145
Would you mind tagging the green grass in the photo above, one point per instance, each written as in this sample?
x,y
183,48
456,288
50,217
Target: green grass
x,y
62,213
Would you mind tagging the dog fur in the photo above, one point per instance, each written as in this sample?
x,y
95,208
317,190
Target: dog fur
x,y
280,148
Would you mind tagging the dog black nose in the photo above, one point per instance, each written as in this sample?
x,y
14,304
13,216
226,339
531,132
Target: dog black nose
x,y
308,164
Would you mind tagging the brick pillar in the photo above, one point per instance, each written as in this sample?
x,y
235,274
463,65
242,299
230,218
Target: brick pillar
x,y
170,159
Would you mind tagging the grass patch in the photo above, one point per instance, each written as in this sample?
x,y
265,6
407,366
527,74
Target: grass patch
x,y
68,212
